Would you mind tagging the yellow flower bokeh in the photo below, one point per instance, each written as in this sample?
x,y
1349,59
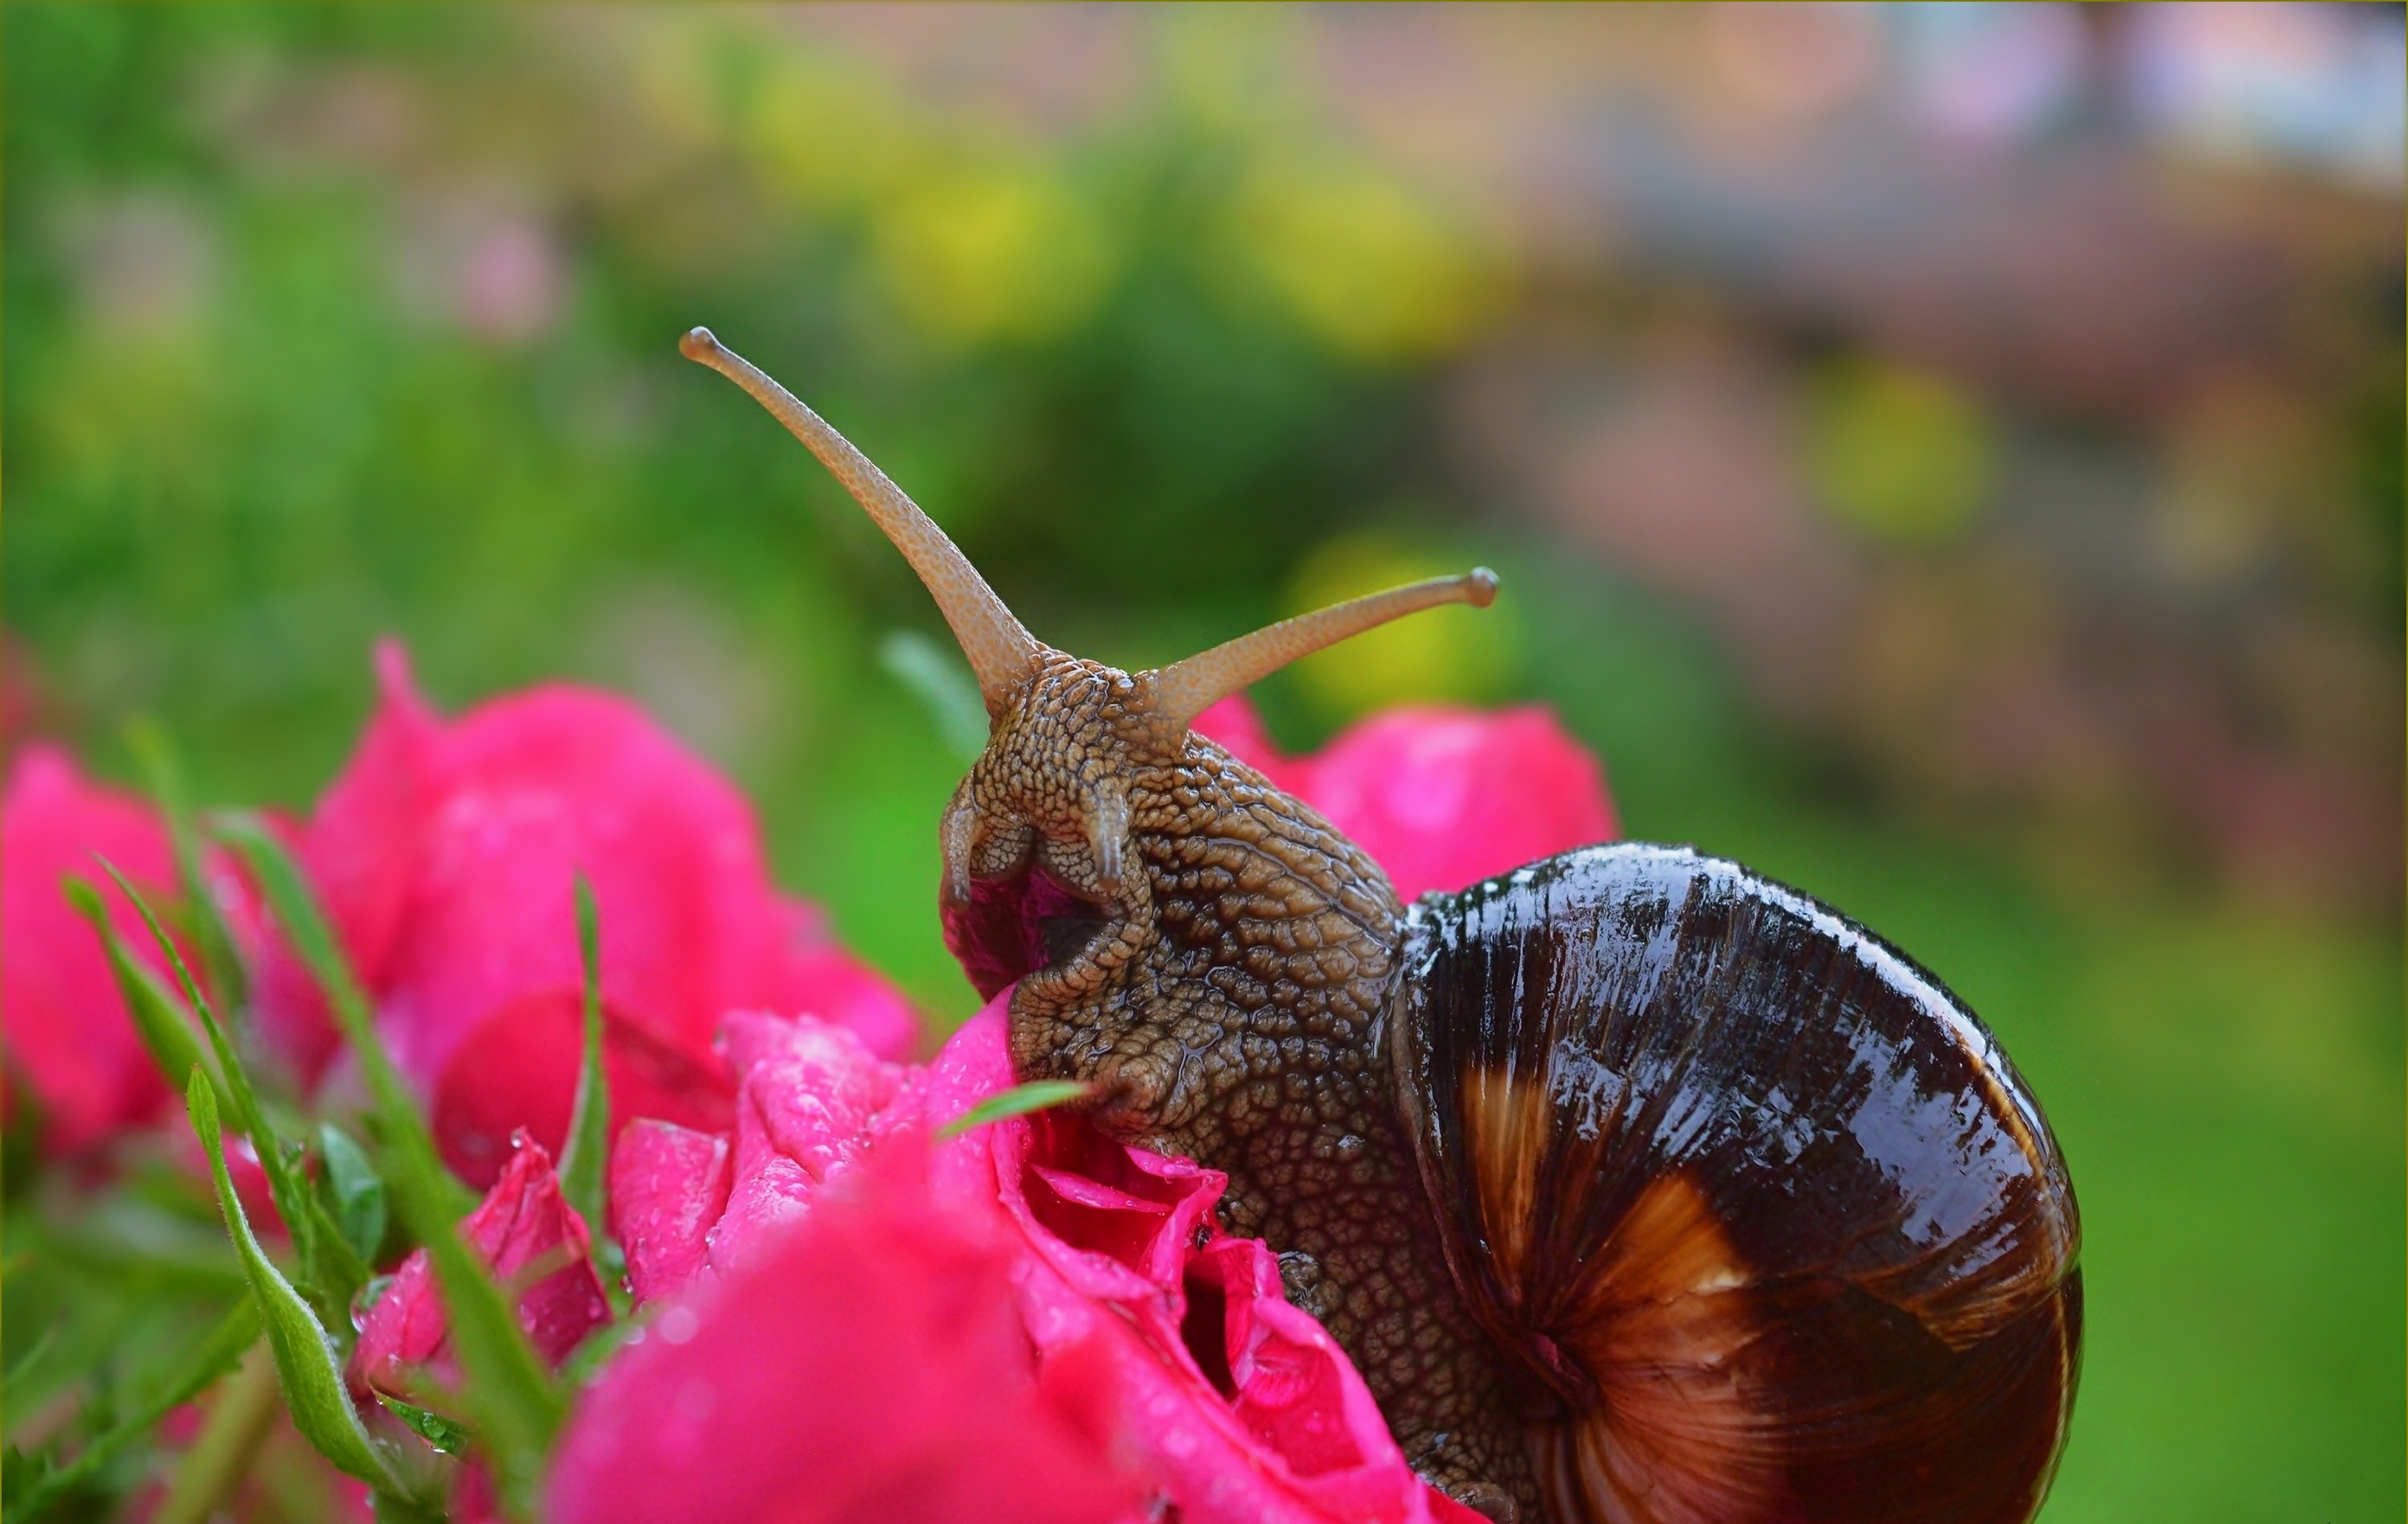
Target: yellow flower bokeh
x,y
1900,455
1013,255
1371,267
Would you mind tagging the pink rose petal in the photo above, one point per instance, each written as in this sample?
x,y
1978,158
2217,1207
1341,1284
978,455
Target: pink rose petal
x,y
866,1364
668,1188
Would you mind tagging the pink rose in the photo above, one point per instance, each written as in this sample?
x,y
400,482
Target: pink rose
x,y
867,1363
1441,797
70,1041
446,854
526,1232
1233,1404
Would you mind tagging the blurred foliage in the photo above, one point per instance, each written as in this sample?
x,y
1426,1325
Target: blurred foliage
x,y
329,322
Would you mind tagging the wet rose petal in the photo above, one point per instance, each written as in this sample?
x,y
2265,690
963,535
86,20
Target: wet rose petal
x,y
668,1189
1297,1439
867,1363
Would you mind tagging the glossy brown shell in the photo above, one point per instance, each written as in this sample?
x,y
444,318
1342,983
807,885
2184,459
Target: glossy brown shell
x,y
1762,1210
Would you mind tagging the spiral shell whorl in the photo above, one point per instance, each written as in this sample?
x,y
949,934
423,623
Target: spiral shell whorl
x,y
1751,1193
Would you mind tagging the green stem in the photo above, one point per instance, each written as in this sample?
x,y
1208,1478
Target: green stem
x,y
229,1443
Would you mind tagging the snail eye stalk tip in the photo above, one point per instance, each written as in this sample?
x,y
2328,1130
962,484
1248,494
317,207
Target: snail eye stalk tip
x,y
1185,689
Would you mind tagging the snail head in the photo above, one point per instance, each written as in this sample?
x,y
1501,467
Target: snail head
x,y
1090,772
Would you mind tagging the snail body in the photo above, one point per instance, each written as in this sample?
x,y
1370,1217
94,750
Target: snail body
x,y
1640,1189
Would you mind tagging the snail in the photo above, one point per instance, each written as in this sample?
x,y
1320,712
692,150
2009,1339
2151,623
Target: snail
x,y
1638,1187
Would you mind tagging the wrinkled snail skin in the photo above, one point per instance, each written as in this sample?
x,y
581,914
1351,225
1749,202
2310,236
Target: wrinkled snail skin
x,y
1226,1002
1640,1189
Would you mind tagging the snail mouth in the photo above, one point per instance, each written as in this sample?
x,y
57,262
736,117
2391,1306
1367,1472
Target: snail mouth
x,y
1030,925
1067,936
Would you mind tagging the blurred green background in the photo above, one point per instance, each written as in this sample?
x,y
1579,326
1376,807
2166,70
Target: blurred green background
x,y
1947,458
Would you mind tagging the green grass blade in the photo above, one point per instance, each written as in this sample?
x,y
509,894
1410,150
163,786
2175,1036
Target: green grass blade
x,y
248,1117
164,777
215,1354
941,680
337,1271
159,1018
307,1363
583,1156
1036,1096
509,1394
291,1194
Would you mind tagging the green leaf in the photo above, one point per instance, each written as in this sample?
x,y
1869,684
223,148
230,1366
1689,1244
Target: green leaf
x,y
158,1017
589,1122
1036,1096
447,1436
19,1475
335,1270
307,1363
329,1273
355,1190
34,1352
941,680
215,1354
509,1394
166,778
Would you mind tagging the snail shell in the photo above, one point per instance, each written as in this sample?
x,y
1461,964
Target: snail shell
x,y
1757,1199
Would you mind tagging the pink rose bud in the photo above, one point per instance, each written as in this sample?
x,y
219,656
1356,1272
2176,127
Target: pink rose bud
x,y
525,1232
